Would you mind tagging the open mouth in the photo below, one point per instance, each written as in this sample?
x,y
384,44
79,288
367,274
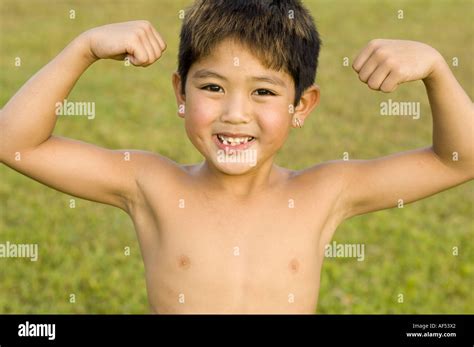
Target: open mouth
x,y
235,141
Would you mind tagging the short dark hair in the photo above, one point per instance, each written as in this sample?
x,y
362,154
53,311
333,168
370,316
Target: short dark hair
x,y
281,33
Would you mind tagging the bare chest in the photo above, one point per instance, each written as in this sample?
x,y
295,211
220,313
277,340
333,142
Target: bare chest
x,y
205,254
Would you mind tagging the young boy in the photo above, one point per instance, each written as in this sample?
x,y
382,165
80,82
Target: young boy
x,y
237,233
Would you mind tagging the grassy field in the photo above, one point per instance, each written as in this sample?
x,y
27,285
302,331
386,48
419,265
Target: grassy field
x,y
408,251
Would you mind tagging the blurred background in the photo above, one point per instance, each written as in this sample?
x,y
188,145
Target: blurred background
x,y
408,251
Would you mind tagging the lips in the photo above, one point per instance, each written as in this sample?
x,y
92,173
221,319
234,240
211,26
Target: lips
x,y
233,141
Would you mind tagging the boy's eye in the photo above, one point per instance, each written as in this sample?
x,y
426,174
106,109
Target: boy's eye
x,y
264,92
212,88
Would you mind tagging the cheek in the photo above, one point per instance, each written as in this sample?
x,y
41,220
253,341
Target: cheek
x,y
274,123
199,116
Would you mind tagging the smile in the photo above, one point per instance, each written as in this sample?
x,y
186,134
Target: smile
x,y
235,141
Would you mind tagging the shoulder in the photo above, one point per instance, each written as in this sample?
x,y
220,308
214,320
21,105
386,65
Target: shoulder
x,y
324,185
332,173
154,174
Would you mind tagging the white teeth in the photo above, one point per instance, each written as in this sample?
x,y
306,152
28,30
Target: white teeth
x,y
234,141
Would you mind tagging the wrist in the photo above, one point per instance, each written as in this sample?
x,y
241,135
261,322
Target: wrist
x,y
83,44
439,68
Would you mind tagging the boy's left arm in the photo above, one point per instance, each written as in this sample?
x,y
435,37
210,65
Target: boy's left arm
x,y
370,185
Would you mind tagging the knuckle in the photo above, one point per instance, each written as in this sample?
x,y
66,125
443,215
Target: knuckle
x,y
373,43
381,53
138,31
386,87
145,24
372,84
397,72
391,62
141,56
135,37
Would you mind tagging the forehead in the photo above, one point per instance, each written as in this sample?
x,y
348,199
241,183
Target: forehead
x,y
230,57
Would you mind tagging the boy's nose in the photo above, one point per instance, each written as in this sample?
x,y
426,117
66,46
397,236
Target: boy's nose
x,y
237,110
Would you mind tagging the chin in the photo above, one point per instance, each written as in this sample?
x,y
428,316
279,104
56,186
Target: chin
x,y
232,159
235,162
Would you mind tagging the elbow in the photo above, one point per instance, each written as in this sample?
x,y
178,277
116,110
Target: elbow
x,y
460,161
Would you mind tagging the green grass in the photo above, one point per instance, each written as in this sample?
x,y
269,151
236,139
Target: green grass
x,y
408,251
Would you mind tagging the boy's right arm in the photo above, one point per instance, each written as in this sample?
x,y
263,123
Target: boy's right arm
x,y
28,119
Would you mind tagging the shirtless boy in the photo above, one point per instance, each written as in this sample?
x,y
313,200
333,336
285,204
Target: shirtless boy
x,y
227,235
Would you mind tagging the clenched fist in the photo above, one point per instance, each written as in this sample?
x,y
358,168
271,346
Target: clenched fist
x,y
137,41
384,64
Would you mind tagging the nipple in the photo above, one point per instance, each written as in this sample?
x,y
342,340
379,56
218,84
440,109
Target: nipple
x,y
184,262
294,266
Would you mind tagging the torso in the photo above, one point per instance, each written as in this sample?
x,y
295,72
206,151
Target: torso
x,y
205,252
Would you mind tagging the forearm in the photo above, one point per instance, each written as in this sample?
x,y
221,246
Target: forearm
x,y
29,117
453,119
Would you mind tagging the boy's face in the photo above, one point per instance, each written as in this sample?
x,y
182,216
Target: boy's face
x,y
237,112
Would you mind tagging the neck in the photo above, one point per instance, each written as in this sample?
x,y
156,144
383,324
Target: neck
x,y
258,179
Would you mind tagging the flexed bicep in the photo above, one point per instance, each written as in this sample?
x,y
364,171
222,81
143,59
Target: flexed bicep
x,y
394,180
80,169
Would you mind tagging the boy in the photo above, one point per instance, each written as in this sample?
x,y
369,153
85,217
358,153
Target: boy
x,y
237,233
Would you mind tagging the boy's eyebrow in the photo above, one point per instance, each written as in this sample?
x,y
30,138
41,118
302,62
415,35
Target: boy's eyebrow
x,y
203,73
269,79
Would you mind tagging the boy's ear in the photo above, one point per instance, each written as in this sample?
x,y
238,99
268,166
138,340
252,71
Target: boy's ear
x,y
308,101
180,98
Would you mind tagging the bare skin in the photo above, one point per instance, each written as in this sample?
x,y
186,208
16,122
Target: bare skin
x,y
226,237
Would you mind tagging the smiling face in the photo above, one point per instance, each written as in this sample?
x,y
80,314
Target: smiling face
x,y
237,112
